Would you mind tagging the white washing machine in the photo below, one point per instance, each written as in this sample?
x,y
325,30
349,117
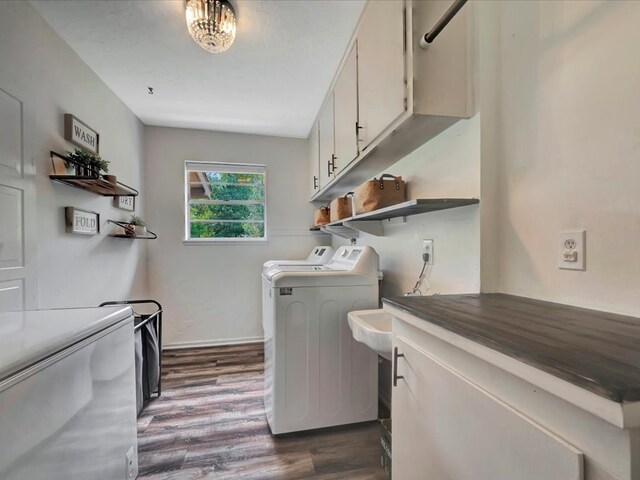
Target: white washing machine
x,y
318,256
316,374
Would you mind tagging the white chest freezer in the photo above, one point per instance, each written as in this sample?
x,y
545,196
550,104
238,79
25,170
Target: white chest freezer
x,y
67,395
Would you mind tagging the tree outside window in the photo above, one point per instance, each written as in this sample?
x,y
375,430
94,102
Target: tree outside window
x,y
225,201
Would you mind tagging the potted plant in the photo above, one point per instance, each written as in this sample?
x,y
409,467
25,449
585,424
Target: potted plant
x,y
137,225
88,164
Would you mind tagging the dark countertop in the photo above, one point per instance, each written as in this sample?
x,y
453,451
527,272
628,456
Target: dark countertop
x,y
597,351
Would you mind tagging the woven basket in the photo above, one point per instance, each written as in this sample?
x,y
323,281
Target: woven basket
x,y
379,193
342,207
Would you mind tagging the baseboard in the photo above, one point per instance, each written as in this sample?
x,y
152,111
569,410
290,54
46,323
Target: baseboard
x,y
213,343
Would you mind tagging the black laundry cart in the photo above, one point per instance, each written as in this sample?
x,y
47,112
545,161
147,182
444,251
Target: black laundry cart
x,y
148,351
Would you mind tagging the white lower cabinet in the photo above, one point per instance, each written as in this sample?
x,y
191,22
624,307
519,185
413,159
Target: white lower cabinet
x,y
447,428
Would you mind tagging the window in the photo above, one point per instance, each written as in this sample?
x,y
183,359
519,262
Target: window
x,y
225,201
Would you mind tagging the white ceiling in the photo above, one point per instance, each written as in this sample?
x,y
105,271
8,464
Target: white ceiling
x,y
271,81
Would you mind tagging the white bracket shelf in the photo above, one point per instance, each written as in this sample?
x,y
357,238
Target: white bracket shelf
x,y
372,222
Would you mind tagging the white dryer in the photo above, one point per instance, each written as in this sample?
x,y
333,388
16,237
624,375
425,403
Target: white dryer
x,y
318,256
316,374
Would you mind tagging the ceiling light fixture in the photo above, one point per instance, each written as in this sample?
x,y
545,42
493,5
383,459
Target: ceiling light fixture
x,y
211,23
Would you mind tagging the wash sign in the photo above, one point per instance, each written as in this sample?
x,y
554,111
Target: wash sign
x,y
81,134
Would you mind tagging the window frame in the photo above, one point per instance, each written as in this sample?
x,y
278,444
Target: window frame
x,y
220,240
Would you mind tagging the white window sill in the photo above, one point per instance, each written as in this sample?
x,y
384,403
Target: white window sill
x,y
224,241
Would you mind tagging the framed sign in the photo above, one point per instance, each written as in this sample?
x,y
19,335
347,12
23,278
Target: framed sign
x,y
81,134
82,222
125,203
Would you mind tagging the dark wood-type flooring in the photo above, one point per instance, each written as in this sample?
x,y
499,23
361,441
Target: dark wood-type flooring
x,y
597,351
210,424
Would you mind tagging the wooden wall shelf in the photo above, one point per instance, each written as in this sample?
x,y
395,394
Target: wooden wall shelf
x,y
94,184
149,236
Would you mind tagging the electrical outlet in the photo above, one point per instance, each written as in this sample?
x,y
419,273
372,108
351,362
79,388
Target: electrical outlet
x,y
572,250
131,466
427,247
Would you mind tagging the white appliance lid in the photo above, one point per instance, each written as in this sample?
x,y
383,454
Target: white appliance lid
x,y
318,256
29,337
354,265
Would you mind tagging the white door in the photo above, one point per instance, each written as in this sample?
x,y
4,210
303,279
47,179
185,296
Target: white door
x,y
17,210
314,160
345,96
327,145
381,67
447,428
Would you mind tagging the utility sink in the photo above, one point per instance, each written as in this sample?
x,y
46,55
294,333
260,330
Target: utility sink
x,y
373,328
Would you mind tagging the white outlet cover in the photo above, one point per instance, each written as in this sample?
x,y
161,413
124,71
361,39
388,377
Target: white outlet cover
x,y
427,247
572,250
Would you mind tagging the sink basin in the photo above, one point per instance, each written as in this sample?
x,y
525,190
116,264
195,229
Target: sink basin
x,y
373,328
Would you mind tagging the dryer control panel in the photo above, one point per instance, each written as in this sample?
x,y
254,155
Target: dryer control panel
x,y
356,259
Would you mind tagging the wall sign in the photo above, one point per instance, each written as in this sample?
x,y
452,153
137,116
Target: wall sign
x,y
81,221
81,134
125,203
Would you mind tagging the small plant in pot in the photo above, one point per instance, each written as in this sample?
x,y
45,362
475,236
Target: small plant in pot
x,y
137,225
89,165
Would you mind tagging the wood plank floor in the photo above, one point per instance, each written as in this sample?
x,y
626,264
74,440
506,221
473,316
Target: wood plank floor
x,y
210,424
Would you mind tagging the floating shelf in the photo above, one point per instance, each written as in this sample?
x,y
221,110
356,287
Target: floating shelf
x,y
94,184
149,236
371,222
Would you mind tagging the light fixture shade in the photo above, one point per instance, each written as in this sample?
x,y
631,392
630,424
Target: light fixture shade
x,y
211,23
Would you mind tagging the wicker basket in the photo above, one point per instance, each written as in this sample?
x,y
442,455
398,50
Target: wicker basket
x,y
321,216
379,193
342,207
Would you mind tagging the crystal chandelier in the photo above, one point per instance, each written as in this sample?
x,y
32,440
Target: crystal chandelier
x,y
211,23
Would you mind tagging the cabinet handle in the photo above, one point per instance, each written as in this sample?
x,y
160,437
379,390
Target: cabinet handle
x,y
315,182
328,168
333,162
358,128
396,356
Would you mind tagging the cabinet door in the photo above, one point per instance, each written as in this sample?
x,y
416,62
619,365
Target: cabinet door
x,y
345,96
314,160
381,68
327,145
448,428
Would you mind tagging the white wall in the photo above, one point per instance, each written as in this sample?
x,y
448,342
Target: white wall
x,y
212,293
569,149
40,69
446,166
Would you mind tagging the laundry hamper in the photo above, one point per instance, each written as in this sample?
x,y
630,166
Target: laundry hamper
x,y
147,332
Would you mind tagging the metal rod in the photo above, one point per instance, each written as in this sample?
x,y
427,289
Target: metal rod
x,y
431,35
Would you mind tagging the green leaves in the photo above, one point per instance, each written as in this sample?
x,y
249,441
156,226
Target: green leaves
x,y
87,159
242,217
227,230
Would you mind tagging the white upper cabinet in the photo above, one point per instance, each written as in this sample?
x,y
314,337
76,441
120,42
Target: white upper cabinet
x,y
400,95
327,143
443,73
314,159
381,67
345,97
